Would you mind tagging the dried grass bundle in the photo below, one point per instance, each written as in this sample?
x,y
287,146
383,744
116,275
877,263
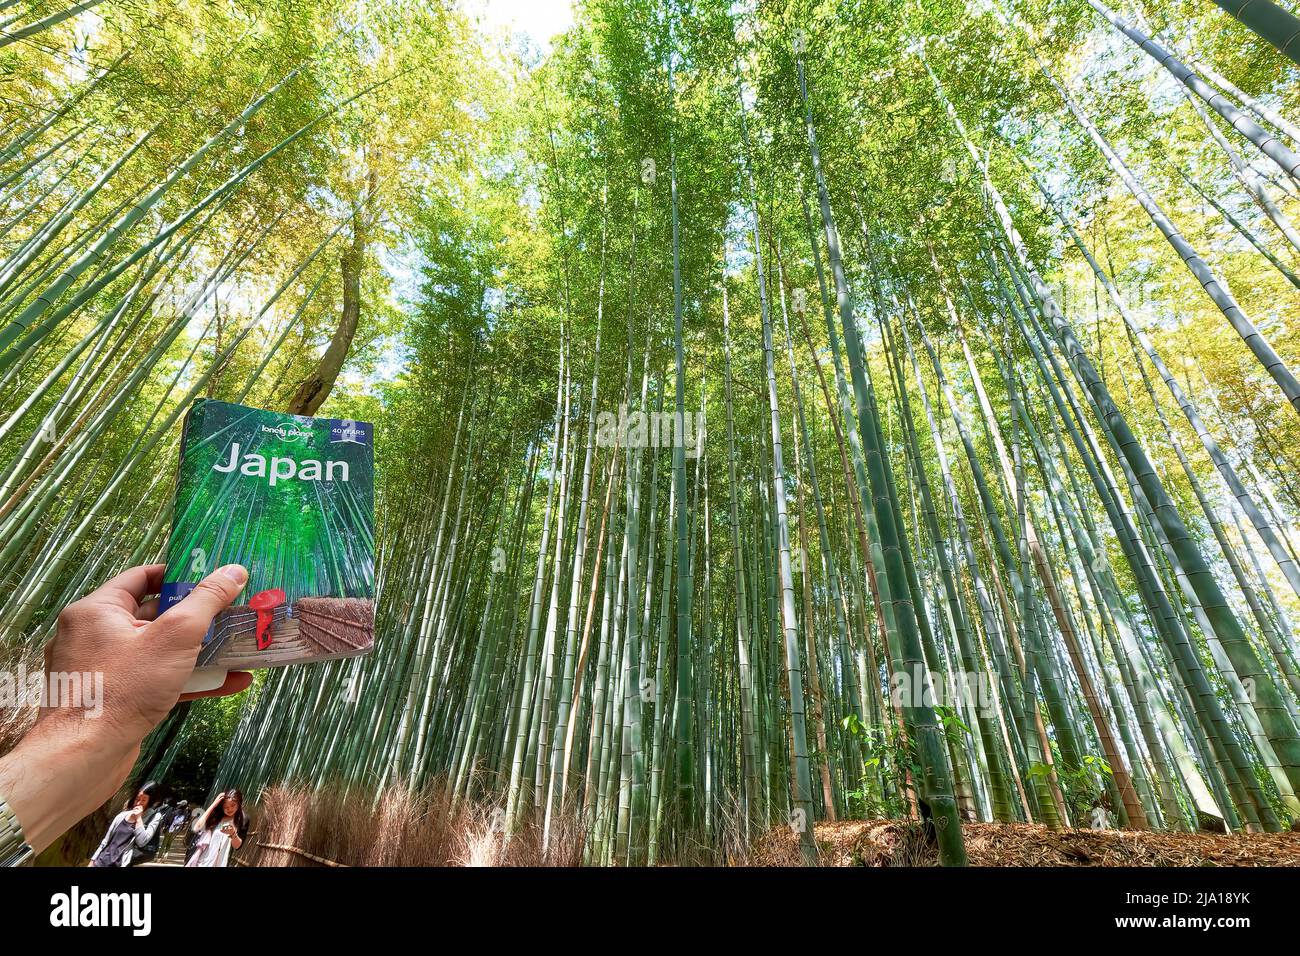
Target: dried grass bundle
x,y
905,843
296,826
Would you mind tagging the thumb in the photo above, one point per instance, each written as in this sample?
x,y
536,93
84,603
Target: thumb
x,y
212,595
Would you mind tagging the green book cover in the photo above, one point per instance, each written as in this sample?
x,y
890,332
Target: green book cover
x,y
291,499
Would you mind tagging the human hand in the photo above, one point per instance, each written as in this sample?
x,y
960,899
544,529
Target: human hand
x,y
72,760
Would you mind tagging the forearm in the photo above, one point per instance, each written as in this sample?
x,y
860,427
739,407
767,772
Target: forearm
x,y
54,777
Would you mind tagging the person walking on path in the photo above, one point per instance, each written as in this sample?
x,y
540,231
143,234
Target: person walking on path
x,y
128,833
222,828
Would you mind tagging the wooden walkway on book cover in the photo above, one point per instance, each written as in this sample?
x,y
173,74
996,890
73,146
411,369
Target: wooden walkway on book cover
x,y
312,628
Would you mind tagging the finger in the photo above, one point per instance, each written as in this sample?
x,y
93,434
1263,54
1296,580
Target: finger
x,y
129,588
191,617
236,681
148,610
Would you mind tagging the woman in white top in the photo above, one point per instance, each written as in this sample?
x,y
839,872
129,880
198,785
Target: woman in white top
x,y
222,828
128,832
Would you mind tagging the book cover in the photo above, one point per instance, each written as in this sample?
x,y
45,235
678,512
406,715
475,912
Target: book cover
x,y
290,498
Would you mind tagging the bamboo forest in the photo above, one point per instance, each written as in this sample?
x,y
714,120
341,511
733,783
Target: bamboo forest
x,y
789,415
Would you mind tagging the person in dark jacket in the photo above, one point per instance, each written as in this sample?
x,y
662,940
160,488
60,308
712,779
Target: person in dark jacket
x,y
129,832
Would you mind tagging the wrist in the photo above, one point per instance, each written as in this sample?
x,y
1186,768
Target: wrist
x,y
14,848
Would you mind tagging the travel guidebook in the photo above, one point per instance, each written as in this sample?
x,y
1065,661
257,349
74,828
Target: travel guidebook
x,y
291,499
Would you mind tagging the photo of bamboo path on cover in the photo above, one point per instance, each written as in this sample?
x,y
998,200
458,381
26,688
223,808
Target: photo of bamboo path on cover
x,y
292,499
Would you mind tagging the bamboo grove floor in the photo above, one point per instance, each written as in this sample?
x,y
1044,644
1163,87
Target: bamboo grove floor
x,y
903,843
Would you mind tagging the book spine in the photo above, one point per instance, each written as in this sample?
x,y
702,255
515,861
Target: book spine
x,y
173,591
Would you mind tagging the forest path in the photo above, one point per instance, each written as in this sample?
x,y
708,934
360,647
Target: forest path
x,y
174,857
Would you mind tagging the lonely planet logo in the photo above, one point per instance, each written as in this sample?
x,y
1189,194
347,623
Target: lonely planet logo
x,y
287,431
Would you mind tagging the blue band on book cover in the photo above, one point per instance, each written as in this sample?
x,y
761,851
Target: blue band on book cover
x,y
290,498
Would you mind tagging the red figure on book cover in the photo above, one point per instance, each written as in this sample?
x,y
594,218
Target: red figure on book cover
x,y
265,603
